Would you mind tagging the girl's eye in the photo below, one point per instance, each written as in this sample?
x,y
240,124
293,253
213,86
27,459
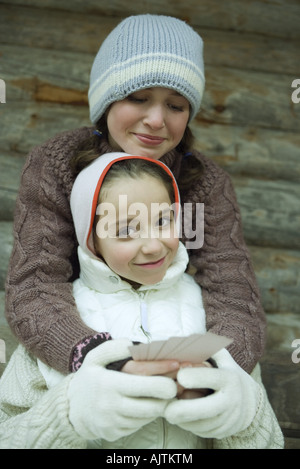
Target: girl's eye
x,y
127,232
164,221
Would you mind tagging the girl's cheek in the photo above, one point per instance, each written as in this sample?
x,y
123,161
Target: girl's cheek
x,y
123,253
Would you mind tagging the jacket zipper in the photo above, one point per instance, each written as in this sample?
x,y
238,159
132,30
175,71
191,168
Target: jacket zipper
x,y
144,328
144,316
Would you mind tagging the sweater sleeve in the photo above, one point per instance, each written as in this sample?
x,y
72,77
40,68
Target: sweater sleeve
x,y
224,270
40,308
31,416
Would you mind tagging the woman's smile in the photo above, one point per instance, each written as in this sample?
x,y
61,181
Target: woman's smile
x,y
151,140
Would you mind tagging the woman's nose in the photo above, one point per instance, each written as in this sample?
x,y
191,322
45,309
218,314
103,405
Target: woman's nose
x,y
155,117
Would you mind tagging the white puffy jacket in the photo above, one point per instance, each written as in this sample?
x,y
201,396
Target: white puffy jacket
x,y
172,307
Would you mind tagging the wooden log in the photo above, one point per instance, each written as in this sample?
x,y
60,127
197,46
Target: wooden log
x,y
278,276
249,151
53,30
37,73
221,48
280,374
251,52
238,97
57,76
6,243
270,212
24,125
267,18
11,167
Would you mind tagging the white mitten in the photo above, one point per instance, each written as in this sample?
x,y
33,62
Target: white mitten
x,y
110,404
228,410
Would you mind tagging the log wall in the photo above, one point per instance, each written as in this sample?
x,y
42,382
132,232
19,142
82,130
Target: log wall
x,y
248,124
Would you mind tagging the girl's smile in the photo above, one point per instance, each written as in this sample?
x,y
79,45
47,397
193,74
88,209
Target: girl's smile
x,y
153,264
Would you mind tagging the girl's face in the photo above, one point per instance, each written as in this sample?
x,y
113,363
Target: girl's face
x,y
149,122
136,234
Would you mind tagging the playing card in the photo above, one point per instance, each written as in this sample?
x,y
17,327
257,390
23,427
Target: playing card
x,y
195,348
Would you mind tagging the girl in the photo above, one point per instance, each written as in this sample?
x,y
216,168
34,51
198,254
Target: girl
x,y
132,283
146,85
125,210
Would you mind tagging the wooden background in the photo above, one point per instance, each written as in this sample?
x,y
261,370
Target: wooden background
x,y
248,124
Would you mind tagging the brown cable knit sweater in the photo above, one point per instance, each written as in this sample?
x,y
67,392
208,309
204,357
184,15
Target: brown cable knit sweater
x,y
39,304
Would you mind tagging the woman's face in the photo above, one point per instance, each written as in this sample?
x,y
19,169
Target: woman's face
x,y
149,122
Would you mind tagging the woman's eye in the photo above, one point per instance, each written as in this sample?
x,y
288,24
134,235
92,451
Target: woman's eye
x,y
176,108
135,99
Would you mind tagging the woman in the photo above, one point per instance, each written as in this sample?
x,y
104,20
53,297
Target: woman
x,y
146,85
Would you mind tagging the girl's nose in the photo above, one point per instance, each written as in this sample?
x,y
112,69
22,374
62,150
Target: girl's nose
x,y
155,117
151,246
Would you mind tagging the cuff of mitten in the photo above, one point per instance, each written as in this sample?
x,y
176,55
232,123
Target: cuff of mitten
x,y
85,346
263,433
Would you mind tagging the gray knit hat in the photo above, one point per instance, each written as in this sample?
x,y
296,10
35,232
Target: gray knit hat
x,y
147,51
